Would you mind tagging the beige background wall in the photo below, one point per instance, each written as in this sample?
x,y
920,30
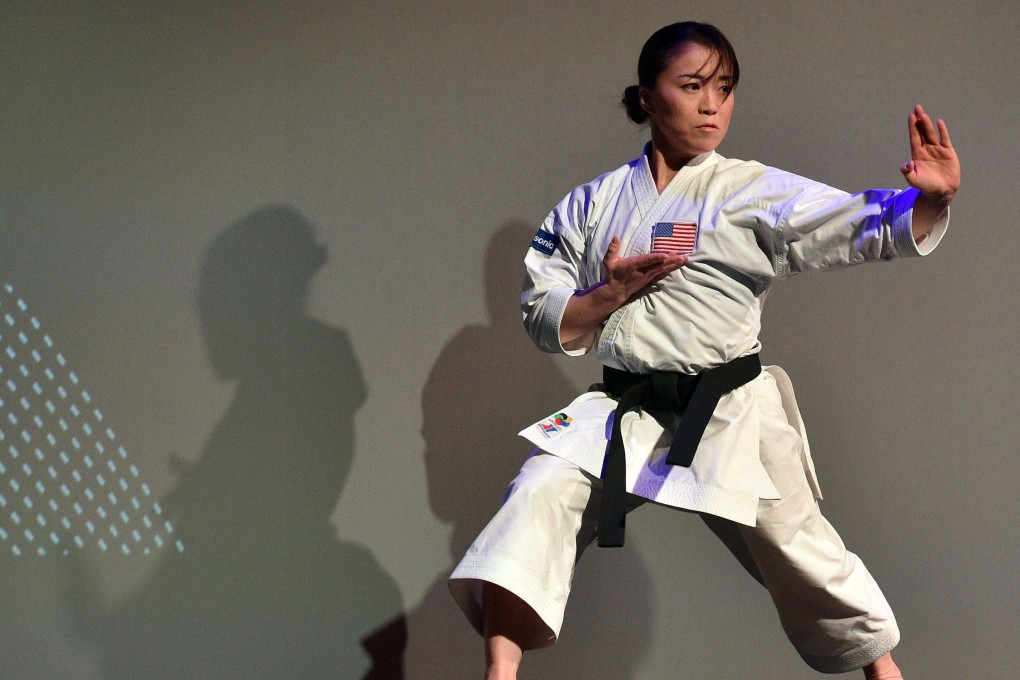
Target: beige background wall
x,y
174,174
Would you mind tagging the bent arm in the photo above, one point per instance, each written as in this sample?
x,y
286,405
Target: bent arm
x,y
625,278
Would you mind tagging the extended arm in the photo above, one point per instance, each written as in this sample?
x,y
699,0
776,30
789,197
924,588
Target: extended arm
x,y
933,168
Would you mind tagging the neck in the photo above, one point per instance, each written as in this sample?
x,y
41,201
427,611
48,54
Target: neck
x,y
663,164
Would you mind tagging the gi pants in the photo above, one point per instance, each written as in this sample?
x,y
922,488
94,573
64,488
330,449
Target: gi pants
x,y
829,605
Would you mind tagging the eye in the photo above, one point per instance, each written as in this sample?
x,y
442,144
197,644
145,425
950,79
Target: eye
x,y
726,89
692,87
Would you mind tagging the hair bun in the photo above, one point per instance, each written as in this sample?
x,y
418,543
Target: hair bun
x,y
632,103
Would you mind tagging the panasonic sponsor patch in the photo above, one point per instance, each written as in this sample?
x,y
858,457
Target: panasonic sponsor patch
x,y
544,242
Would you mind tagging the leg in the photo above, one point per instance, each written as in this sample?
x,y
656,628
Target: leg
x,y
509,626
514,581
830,607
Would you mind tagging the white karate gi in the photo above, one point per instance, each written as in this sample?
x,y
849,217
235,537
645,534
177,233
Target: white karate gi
x,y
756,225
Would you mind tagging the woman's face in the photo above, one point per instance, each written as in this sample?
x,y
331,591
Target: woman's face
x,y
691,104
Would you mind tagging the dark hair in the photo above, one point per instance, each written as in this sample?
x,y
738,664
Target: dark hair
x,y
662,46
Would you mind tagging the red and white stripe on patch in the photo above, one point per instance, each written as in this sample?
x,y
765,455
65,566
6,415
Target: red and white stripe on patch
x,y
675,237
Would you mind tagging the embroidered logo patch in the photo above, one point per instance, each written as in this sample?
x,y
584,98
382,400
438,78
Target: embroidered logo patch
x,y
680,238
556,423
544,242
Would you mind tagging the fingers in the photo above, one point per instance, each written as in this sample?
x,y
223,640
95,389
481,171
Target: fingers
x,y
642,263
923,131
654,263
656,274
675,262
927,129
944,134
929,144
921,127
612,251
913,132
670,267
933,167
632,274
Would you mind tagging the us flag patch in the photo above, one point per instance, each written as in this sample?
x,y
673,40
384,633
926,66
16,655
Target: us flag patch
x,y
680,238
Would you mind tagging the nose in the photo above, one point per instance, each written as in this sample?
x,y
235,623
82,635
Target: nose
x,y
709,103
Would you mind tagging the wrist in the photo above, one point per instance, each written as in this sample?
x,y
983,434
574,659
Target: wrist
x,y
940,199
603,295
610,297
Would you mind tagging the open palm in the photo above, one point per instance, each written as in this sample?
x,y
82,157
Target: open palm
x,y
934,167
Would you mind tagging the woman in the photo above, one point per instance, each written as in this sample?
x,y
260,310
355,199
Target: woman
x,y
662,267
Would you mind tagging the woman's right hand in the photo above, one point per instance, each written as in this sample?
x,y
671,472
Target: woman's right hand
x,y
625,279
629,276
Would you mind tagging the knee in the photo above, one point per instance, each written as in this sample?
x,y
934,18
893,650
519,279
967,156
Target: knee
x,y
550,487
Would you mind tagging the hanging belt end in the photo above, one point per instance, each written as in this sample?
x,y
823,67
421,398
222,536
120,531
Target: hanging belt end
x,y
611,533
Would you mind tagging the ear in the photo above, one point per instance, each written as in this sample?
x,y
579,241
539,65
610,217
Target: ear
x,y
645,98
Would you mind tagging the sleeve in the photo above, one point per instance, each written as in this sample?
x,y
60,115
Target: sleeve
x,y
820,228
554,271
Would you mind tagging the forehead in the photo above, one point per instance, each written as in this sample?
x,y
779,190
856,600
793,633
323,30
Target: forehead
x,y
697,59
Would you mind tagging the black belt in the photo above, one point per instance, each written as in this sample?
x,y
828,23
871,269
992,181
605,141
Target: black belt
x,y
666,396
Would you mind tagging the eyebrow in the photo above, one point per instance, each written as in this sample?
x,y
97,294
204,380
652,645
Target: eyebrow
x,y
699,76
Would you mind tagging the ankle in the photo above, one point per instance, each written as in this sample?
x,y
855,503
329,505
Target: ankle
x,y
893,674
501,669
883,669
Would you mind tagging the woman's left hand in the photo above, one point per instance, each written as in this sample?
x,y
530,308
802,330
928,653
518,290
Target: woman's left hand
x,y
933,167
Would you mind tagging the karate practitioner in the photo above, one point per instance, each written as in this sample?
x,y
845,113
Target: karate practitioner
x,y
662,267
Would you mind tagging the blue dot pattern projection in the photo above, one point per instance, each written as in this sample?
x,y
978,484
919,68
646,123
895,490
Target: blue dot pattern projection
x,y
65,483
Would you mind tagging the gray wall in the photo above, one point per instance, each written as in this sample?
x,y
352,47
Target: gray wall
x,y
280,245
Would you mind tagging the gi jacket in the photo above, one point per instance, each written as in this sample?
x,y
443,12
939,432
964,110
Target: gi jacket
x,y
754,225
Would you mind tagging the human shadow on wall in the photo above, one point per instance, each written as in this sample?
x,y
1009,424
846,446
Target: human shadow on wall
x,y
263,588
488,383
